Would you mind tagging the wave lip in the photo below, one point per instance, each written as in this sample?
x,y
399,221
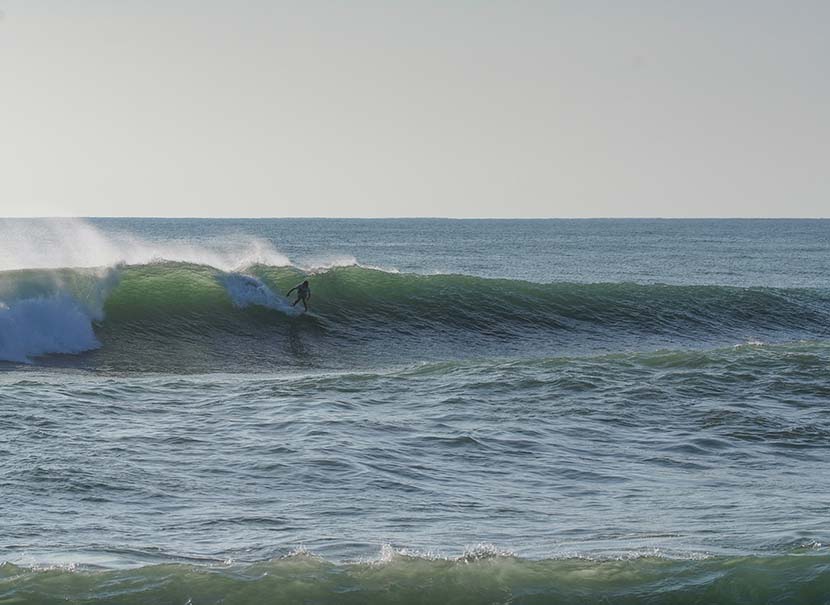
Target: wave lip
x,y
45,311
36,326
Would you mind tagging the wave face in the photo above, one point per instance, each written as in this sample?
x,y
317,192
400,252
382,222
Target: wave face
x,y
468,580
152,315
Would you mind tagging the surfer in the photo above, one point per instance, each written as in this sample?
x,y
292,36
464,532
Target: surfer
x,y
303,294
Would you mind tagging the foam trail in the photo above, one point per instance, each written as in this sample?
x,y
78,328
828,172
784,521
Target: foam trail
x,y
246,290
36,326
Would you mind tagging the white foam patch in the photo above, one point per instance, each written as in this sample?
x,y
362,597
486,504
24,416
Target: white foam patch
x,y
753,343
246,290
37,326
321,264
325,263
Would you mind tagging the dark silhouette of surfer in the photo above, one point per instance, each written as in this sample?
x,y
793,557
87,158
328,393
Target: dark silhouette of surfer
x,y
303,294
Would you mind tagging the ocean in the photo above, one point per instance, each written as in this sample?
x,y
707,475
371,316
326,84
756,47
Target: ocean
x,y
472,411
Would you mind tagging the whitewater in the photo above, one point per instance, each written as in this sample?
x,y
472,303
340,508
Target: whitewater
x,y
531,411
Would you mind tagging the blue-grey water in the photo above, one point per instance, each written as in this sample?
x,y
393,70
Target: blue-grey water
x,y
471,411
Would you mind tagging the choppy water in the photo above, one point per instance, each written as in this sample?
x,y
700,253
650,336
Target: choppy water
x,y
473,411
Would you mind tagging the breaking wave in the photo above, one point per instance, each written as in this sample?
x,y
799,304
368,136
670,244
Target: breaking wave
x,y
488,578
154,305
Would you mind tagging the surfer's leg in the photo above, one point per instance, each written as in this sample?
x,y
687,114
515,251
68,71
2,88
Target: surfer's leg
x,y
305,306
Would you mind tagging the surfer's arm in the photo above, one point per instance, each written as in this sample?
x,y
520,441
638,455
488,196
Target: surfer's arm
x,y
290,291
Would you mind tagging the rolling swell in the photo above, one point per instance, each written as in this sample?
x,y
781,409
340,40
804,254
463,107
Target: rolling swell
x,y
467,580
166,310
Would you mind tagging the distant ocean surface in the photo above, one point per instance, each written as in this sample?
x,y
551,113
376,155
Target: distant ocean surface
x,y
472,411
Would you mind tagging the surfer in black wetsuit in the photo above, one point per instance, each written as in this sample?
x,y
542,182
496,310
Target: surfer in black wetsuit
x,y
303,294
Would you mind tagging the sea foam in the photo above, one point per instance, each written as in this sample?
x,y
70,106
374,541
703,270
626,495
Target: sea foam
x,y
36,326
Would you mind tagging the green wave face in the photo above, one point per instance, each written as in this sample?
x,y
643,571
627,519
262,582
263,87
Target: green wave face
x,y
158,291
350,295
179,313
793,579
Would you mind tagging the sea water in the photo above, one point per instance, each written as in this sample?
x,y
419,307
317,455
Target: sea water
x,y
475,411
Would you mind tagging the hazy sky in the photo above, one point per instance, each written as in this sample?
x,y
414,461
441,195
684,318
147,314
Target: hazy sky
x,y
474,108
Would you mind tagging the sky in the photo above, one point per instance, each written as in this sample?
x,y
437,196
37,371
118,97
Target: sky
x,y
422,108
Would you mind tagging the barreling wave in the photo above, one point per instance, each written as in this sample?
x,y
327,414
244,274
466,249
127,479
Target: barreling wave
x,y
303,578
160,308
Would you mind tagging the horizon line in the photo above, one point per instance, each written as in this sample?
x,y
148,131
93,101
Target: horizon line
x,y
450,218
